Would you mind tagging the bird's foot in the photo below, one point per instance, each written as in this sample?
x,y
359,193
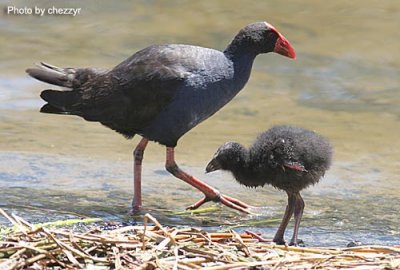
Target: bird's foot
x,y
298,243
279,241
226,200
354,243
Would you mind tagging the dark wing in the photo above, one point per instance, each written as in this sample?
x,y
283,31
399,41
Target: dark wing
x,y
277,147
285,153
132,94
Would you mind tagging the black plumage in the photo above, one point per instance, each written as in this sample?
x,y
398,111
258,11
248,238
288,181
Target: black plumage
x,y
162,91
286,157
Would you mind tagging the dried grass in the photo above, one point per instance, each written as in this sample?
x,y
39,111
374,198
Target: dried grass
x,y
161,247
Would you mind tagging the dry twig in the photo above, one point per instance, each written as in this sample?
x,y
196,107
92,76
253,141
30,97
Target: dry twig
x,y
160,247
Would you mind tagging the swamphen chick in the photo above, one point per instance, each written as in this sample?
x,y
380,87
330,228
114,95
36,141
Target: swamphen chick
x,y
162,92
286,157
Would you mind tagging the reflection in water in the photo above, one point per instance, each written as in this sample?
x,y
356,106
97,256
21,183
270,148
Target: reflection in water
x,y
344,84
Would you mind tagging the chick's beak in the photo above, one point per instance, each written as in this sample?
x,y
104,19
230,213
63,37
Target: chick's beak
x,y
213,165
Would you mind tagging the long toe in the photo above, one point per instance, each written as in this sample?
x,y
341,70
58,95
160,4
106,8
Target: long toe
x,y
225,200
235,204
198,204
299,243
238,202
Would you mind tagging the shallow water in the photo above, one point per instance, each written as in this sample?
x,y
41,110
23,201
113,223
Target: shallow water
x,y
344,84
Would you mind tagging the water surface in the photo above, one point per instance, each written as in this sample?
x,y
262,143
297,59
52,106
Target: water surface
x,y
344,85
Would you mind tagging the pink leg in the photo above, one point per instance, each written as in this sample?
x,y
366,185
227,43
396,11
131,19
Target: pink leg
x,y
298,213
211,194
279,236
137,174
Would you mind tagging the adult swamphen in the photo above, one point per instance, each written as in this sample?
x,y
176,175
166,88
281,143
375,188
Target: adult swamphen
x,y
162,92
286,157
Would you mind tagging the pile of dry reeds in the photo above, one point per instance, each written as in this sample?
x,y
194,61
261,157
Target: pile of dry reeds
x,y
159,247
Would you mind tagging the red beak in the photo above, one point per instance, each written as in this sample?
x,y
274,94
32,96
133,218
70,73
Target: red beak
x,y
283,47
